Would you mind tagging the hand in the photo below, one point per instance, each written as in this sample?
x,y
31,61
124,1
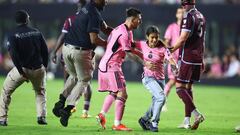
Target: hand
x,y
133,44
203,67
171,49
151,66
54,58
175,70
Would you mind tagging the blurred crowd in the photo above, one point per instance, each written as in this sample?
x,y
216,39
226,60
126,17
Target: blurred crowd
x,y
217,67
224,66
125,1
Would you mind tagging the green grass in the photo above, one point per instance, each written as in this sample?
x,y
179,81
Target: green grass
x,y
220,105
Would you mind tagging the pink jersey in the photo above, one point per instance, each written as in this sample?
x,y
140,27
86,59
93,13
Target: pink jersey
x,y
155,55
172,33
119,41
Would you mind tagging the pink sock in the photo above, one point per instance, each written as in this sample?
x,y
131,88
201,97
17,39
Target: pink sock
x,y
119,109
109,99
167,89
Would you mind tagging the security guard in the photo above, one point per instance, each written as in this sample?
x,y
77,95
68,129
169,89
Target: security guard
x,y
29,53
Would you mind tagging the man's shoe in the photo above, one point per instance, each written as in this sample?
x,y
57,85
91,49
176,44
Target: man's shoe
x,y
184,126
121,127
41,120
74,110
64,117
153,128
85,115
57,107
197,121
101,120
3,123
144,124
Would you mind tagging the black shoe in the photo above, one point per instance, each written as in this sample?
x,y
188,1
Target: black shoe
x,y
57,107
64,117
3,123
144,124
41,120
152,128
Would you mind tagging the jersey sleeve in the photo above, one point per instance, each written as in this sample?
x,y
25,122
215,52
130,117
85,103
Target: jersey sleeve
x,y
168,54
66,25
187,23
138,45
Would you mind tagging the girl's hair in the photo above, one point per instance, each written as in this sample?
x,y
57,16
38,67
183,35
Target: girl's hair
x,y
152,29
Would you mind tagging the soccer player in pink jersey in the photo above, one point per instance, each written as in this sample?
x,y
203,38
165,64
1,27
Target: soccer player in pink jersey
x,y
171,35
192,44
155,52
110,75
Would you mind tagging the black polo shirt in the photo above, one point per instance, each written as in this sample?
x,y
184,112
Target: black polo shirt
x,y
88,20
27,48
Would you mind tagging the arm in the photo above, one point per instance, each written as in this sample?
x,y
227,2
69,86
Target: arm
x,y
106,29
97,40
135,57
172,62
15,55
44,51
59,44
181,40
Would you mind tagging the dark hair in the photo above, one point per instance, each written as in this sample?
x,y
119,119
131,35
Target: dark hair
x,y
132,12
81,3
21,16
187,2
152,29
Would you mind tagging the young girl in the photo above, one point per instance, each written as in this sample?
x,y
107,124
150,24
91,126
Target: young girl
x,y
154,53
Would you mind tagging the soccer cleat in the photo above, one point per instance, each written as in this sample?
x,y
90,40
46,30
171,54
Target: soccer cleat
x,y
237,128
41,120
121,127
152,128
197,121
3,123
184,126
74,110
64,117
85,115
57,107
144,124
101,120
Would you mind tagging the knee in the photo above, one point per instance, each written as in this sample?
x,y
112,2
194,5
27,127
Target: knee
x,y
161,97
122,96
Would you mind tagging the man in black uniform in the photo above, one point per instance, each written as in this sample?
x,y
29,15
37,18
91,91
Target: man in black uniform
x,y
81,40
29,53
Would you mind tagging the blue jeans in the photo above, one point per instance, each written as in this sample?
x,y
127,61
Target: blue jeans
x,y
156,88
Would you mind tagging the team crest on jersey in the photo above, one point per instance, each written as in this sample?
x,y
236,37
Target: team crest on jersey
x,y
150,55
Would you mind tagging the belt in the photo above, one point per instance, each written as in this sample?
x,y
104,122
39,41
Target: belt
x,y
33,67
76,47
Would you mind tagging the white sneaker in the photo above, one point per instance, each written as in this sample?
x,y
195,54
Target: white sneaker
x,y
237,128
184,126
164,108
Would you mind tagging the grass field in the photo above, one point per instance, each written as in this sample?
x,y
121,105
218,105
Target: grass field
x,y
220,105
